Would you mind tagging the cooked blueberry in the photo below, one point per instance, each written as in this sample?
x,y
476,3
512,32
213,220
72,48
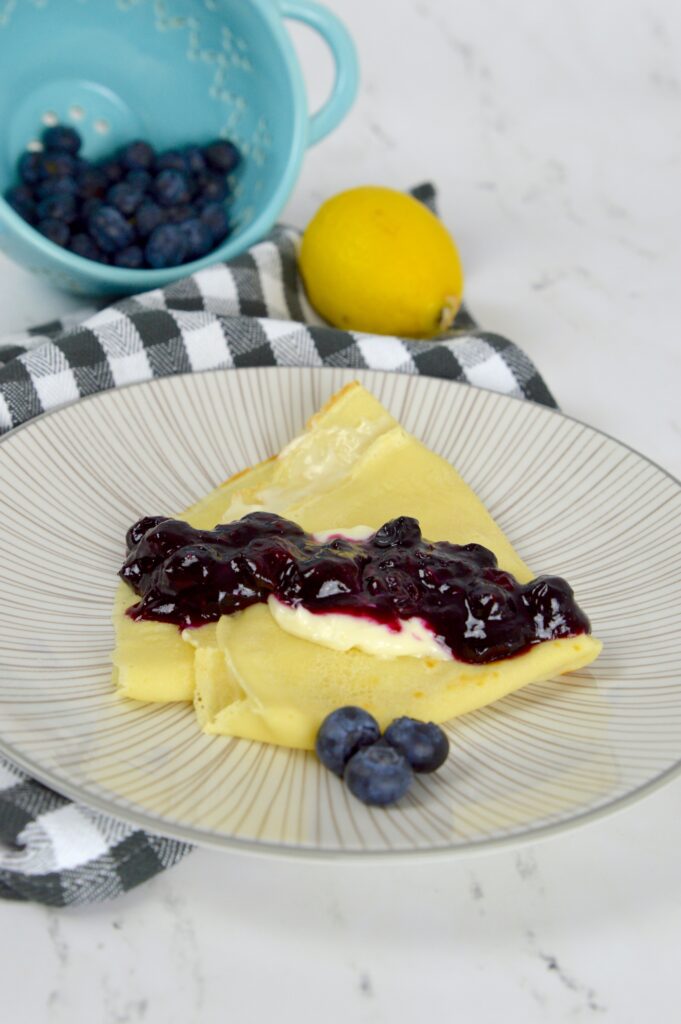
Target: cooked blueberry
x,y
62,139
132,258
56,230
172,160
92,182
214,216
139,179
378,775
58,164
113,170
212,188
166,247
424,744
30,167
83,245
57,187
59,207
172,188
222,155
178,214
124,197
138,155
148,216
550,600
194,159
20,198
198,236
139,528
341,735
110,229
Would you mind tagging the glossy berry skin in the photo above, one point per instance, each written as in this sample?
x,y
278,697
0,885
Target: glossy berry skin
x,y
83,246
172,188
62,139
59,207
137,156
148,216
378,775
198,237
166,247
20,198
222,156
110,230
125,197
132,258
31,167
56,230
342,734
214,216
424,744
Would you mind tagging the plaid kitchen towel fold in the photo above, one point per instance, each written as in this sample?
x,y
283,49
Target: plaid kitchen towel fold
x,y
251,311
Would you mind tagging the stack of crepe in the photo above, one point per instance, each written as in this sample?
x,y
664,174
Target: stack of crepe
x,y
246,676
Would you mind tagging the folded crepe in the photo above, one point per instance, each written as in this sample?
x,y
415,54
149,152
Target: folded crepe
x,y
354,464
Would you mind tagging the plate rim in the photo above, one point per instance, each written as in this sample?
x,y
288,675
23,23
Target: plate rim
x,y
210,839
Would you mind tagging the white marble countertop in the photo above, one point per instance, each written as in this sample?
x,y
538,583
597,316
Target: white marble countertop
x,y
552,132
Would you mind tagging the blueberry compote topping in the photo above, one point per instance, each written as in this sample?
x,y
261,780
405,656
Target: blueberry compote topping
x,y
190,577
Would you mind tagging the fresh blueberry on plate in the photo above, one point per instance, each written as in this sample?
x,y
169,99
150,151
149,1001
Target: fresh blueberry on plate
x,y
342,734
378,775
424,744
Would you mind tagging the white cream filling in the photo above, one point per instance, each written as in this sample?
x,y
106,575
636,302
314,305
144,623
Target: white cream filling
x,y
344,632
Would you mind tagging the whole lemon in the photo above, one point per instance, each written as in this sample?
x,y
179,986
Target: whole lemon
x,y
377,260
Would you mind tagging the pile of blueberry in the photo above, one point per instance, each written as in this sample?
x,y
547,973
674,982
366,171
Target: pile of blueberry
x,y
139,209
377,769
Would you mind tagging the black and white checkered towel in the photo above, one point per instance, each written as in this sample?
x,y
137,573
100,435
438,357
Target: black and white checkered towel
x,y
251,311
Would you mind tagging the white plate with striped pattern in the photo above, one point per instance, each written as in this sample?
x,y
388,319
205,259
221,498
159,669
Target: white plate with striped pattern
x,y
572,500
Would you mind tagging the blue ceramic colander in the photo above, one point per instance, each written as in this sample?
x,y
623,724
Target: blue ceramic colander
x,y
174,72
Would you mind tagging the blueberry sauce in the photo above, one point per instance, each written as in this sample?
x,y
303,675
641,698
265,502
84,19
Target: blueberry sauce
x,y
189,577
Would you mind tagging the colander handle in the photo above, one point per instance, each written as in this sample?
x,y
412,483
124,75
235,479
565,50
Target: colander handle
x,y
339,41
